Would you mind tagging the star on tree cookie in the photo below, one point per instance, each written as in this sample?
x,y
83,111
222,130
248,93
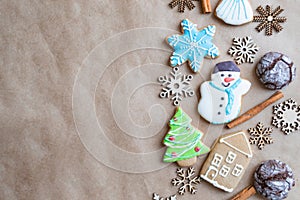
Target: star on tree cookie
x,y
260,135
193,45
243,49
178,86
186,180
182,3
269,19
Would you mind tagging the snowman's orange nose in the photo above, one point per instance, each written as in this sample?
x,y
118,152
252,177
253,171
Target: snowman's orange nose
x,y
227,80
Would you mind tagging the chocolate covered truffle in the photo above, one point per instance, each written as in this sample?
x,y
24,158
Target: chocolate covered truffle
x,y
274,179
275,70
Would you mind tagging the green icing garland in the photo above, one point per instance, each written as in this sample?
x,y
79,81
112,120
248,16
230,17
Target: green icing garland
x,y
183,140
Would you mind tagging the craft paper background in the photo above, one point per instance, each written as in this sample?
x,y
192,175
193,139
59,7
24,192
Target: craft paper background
x,y
80,113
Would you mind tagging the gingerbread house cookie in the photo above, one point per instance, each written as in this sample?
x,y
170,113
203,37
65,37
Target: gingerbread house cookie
x,y
227,161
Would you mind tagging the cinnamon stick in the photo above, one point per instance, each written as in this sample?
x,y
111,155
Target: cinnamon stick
x,y
245,194
206,7
255,110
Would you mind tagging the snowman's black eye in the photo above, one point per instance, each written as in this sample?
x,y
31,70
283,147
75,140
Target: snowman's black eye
x,y
229,75
222,75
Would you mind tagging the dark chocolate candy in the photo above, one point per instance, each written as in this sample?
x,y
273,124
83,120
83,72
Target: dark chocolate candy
x,y
275,70
273,179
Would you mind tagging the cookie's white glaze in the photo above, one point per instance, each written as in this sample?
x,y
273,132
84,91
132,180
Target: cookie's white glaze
x,y
221,97
234,12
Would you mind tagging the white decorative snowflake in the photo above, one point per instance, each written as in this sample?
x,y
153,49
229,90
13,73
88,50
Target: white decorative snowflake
x,y
186,181
243,49
178,86
260,135
287,116
157,197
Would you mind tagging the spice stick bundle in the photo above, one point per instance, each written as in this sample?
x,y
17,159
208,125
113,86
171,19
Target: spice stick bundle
x,y
206,6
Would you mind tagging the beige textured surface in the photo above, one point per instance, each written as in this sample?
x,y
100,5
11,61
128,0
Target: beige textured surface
x,y
48,153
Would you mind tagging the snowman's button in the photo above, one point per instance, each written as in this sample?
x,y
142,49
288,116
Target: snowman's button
x,y
219,113
221,105
222,98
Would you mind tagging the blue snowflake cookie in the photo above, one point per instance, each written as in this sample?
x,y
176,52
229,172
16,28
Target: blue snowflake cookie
x,y
193,45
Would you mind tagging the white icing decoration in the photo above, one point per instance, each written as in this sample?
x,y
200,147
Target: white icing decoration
x,y
230,157
193,45
223,140
217,160
217,174
237,170
224,171
234,12
214,99
216,184
187,138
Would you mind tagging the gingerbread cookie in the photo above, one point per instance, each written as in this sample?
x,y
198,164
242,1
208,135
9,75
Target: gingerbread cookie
x,y
234,12
193,45
227,161
183,141
221,97
275,70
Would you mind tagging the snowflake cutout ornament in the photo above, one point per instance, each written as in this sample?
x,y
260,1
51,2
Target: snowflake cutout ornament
x,y
186,180
193,45
157,197
260,135
182,3
243,49
269,19
177,85
287,116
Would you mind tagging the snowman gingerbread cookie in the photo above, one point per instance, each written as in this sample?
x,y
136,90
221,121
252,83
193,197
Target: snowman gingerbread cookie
x,y
221,97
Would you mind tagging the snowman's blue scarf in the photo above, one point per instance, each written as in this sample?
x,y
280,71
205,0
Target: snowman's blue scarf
x,y
229,92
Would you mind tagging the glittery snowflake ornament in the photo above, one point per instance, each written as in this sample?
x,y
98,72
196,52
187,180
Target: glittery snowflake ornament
x,y
243,49
186,180
193,45
182,3
269,19
157,197
177,85
287,116
260,135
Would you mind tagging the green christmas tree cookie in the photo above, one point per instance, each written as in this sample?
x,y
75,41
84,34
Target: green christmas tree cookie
x,y
183,141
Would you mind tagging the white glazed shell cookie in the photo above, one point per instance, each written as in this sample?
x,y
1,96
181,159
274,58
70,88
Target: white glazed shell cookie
x,y
234,12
